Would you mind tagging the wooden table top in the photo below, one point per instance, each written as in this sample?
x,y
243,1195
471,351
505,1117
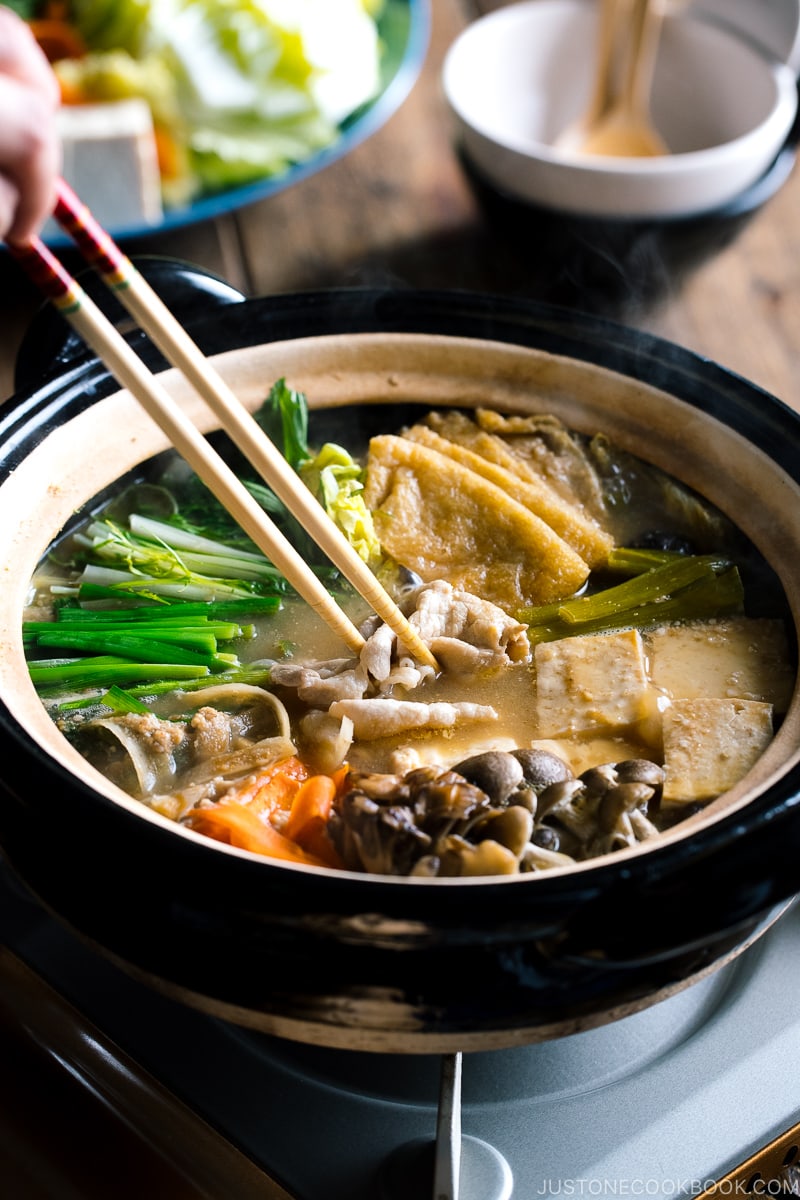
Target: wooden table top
x,y
400,209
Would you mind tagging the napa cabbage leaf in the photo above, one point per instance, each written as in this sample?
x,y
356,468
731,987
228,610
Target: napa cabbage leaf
x,y
243,89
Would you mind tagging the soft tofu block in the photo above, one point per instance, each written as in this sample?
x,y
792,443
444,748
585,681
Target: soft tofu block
x,y
595,682
110,159
735,658
709,745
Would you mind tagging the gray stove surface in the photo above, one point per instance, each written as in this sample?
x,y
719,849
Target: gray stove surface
x,y
659,1104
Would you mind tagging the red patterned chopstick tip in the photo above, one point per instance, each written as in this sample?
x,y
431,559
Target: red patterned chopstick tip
x,y
95,244
50,277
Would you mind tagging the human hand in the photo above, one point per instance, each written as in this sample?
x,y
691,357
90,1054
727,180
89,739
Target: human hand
x,y
30,157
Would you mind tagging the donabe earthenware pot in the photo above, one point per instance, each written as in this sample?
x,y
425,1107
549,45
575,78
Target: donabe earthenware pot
x,y
366,961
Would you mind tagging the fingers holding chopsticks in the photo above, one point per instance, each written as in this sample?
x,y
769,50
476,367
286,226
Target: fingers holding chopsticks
x,y
30,158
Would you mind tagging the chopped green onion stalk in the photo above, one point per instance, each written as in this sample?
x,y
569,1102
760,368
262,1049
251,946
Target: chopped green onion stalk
x,y
140,649
651,586
700,587
630,560
120,701
106,670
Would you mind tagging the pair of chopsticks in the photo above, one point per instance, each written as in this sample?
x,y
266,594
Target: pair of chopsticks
x,y
145,306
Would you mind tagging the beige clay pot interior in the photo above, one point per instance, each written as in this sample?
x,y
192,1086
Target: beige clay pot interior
x,y
87,453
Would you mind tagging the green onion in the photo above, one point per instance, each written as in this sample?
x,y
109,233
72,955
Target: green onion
x,y
255,676
106,670
651,586
222,610
167,552
196,633
129,584
630,560
704,587
120,701
140,649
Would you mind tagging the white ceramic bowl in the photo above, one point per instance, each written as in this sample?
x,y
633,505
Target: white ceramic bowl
x,y
517,78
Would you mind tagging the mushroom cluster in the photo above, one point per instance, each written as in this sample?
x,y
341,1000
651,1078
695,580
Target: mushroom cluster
x,y
496,813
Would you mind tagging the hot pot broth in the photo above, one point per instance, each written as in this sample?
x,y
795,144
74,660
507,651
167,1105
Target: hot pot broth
x,y
548,737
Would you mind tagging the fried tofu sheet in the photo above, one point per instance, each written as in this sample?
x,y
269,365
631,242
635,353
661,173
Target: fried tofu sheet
x,y
571,524
444,520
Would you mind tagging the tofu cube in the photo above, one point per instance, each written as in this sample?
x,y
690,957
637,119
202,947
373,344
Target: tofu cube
x,y
709,745
110,159
741,658
594,682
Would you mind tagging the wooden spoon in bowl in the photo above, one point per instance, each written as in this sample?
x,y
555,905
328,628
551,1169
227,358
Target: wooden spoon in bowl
x,y
627,129
610,40
618,121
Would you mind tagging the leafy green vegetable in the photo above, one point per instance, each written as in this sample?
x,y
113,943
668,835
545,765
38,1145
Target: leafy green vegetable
x,y
187,612
651,587
630,560
199,511
338,482
109,24
120,701
104,670
689,587
162,559
146,649
284,418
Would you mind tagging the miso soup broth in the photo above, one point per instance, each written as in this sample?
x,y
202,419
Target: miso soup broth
x,y
612,654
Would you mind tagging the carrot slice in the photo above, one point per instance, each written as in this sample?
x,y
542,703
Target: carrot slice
x,y
241,818
237,825
308,818
273,788
171,162
312,802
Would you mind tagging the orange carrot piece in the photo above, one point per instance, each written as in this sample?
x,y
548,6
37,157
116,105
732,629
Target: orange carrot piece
x,y
310,812
71,95
315,841
308,818
312,801
171,162
339,777
273,788
237,825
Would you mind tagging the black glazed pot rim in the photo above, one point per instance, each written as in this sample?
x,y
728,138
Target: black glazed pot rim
x,y
760,418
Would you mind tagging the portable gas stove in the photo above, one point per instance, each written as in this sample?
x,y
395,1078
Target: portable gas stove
x,y
698,1092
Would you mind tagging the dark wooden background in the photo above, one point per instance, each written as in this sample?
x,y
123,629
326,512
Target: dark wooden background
x,y
399,209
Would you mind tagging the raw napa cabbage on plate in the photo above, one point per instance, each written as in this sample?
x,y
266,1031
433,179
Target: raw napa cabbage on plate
x,y
245,93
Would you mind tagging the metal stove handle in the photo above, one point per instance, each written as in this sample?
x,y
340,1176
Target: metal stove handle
x,y
457,1167
447,1159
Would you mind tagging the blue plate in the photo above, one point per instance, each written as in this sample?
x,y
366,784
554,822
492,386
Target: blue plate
x,y
404,28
